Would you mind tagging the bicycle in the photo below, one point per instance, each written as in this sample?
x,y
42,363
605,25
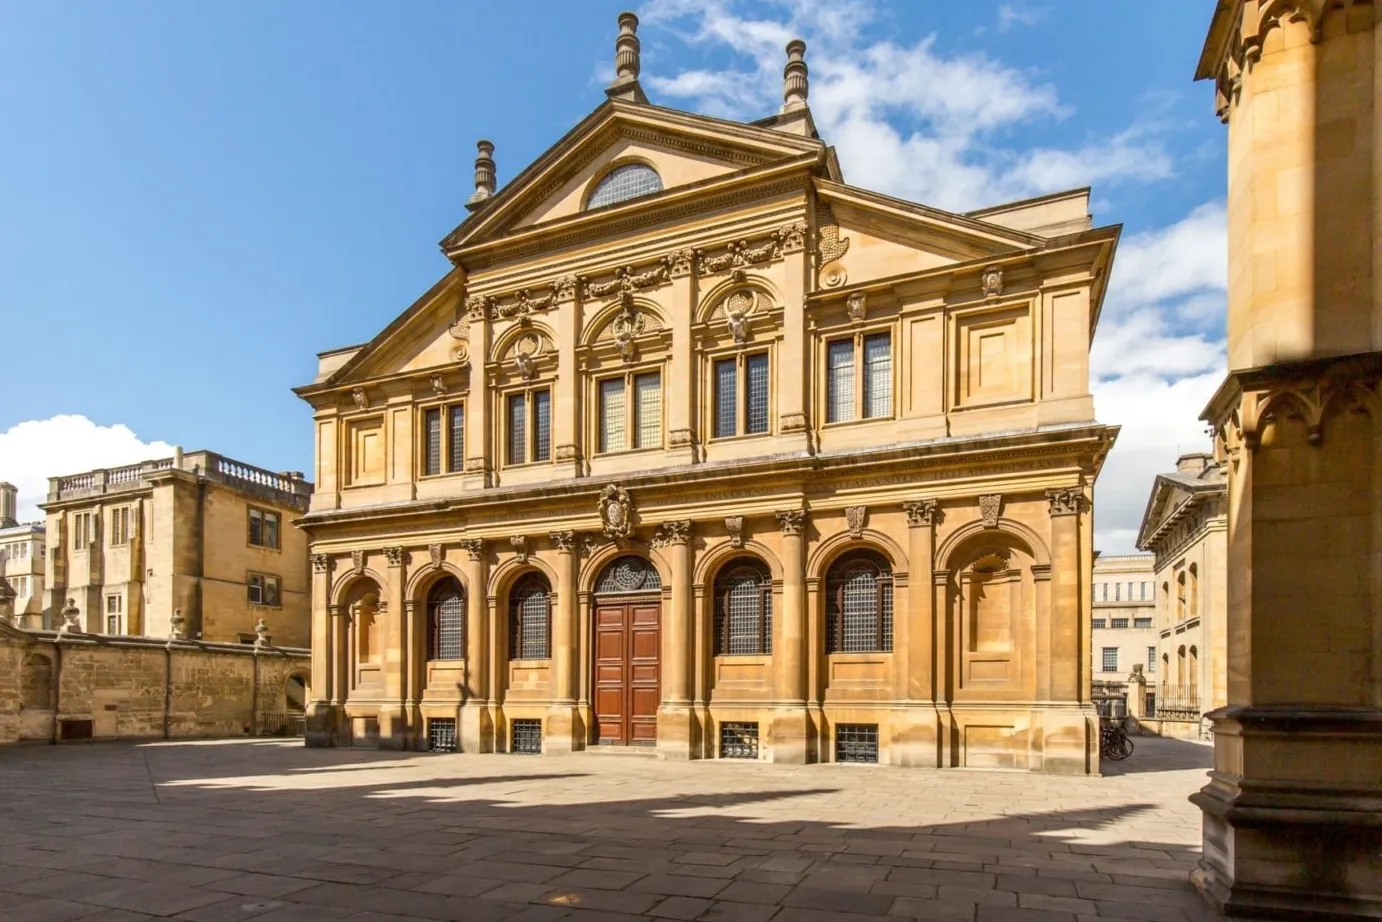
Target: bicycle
x,y
1113,742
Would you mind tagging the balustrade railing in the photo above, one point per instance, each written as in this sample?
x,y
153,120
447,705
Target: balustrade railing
x,y
119,475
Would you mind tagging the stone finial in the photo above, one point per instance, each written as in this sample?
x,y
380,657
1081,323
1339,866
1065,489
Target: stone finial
x,y
177,626
484,172
794,82
626,62
71,618
261,633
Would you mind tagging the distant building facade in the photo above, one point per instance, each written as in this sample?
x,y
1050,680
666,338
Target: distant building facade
x,y
198,534
22,558
1124,621
698,447
1185,527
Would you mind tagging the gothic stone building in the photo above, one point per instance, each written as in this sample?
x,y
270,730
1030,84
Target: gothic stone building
x,y
698,446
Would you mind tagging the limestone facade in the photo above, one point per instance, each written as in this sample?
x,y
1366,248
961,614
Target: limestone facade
x,y
1186,529
1291,808
1124,608
699,447
197,536
22,558
56,687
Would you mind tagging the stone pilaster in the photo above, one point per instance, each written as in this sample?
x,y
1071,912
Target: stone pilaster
x,y
562,732
566,302
393,730
674,718
916,726
790,737
1069,725
322,717
681,385
476,728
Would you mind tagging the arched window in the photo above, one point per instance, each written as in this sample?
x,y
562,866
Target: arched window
x,y
743,609
622,183
446,620
1180,596
530,618
627,575
1194,590
859,604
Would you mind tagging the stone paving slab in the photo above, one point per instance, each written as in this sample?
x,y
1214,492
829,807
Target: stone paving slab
x,y
269,831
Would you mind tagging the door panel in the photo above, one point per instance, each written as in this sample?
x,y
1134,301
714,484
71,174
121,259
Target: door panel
x,y
627,673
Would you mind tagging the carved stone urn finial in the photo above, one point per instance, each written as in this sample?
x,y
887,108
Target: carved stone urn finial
x,y
794,81
484,172
626,61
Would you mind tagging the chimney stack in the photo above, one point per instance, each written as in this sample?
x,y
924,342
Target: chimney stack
x,y
484,173
626,61
794,82
9,505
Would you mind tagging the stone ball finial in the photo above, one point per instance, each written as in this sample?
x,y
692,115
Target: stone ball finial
x,y
484,171
626,49
794,78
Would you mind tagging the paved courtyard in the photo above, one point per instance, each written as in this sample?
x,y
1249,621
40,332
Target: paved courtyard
x,y
226,831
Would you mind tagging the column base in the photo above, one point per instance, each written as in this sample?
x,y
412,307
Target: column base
x,y
562,732
322,725
476,727
1280,840
790,740
676,732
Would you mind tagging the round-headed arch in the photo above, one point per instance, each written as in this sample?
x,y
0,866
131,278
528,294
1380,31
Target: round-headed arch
x,y
1008,531
836,545
604,556
718,555
355,584
503,577
761,286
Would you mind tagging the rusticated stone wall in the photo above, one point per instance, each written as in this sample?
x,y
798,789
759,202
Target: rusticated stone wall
x,y
56,687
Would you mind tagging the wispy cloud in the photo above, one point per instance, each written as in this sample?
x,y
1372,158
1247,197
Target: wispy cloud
x,y
1011,15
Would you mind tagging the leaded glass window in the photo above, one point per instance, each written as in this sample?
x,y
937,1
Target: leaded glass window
x,y
859,604
757,396
839,381
542,420
623,183
726,403
530,618
518,428
432,433
612,420
628,574
456,455
878,375
743,609
446,621
648,388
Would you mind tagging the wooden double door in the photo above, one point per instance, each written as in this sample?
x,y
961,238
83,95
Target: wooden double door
x,y
628,680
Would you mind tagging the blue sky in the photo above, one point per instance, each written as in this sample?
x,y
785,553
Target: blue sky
x,y
197,198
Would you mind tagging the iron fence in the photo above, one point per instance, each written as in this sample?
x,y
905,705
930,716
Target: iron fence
x,y
1178,702
279,723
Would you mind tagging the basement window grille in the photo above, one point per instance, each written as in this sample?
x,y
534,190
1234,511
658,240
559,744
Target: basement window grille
x,y
856,743
527,737
441,734
738,741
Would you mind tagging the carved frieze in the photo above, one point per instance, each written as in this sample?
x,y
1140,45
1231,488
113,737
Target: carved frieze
x,y
626,281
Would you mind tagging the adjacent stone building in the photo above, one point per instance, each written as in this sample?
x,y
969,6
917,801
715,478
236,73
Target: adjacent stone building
x,y
1124,604
1185,528
22,558
196,534
697,446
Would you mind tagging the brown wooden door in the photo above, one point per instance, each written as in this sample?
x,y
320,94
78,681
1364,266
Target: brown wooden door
x,y
627,676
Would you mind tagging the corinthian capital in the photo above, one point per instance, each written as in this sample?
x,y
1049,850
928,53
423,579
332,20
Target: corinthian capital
x,y
790,521
1066,501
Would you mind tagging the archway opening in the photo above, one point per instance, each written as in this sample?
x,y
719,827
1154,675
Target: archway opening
x,y
627,625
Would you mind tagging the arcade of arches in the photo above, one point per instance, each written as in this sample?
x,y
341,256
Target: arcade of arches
x,y
705,643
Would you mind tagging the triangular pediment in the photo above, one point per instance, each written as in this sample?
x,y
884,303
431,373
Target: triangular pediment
x,y
683,148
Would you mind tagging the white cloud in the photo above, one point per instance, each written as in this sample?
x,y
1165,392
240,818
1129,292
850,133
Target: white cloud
x,y
33,451
1012,14
920,124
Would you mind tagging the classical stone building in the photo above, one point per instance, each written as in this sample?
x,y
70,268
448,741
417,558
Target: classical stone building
x,y
22,557
1185,528
1124,603
1291,810
698,446
197,536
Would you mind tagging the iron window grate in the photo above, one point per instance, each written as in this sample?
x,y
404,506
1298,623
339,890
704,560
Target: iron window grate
x,y
527,737
738,741
856,743
441,734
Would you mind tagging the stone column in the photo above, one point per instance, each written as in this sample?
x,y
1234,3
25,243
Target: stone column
x,y
563,730
476,728
1291,810
414,672
393,730
789,740
916,725
1069,724
321,719
674,718
681,384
